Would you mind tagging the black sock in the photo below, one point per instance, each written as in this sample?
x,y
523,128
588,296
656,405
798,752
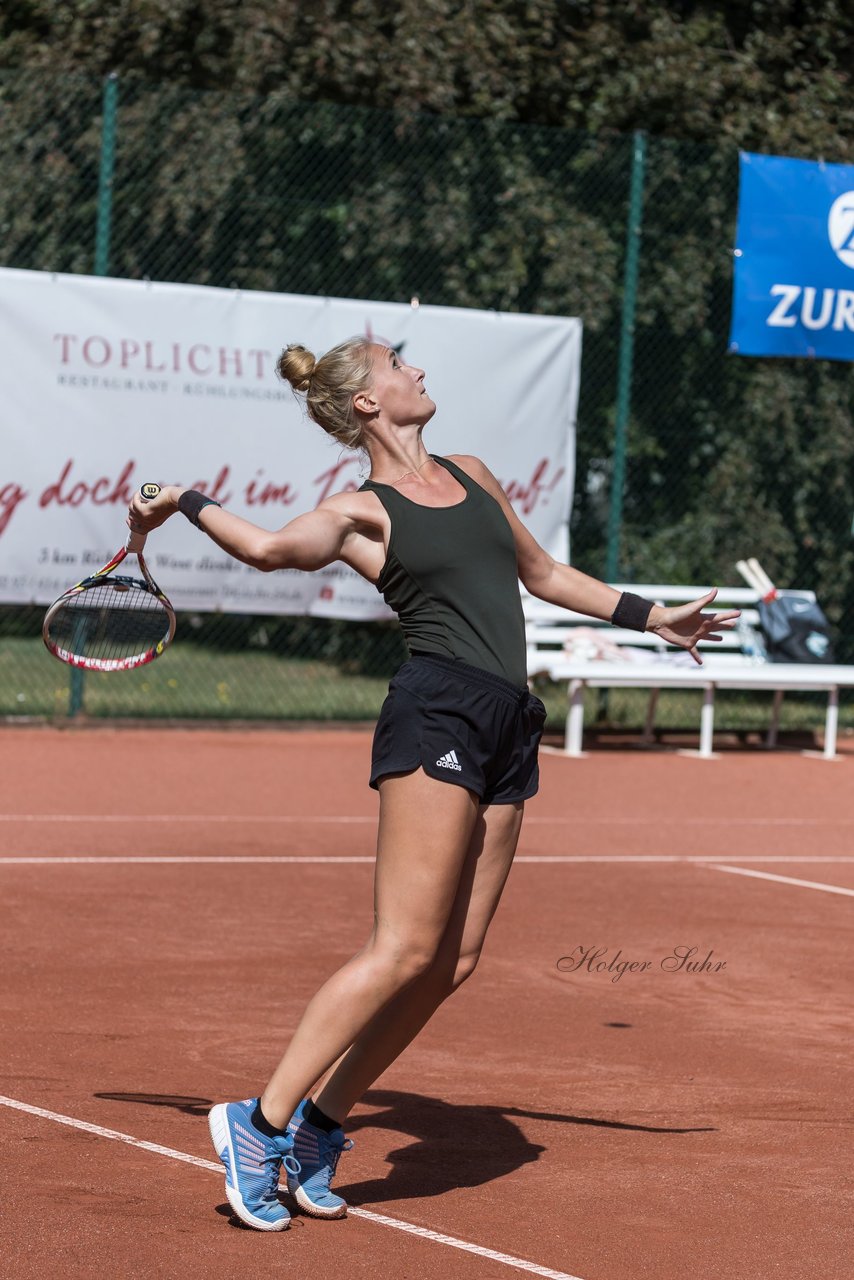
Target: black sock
x,y
319,1119
262,1124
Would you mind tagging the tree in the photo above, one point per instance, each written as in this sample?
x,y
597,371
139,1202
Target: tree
x,y
478,154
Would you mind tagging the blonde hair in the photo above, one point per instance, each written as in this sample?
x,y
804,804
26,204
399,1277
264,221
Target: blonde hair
x,y
329,385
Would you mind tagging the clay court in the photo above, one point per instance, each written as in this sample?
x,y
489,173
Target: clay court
x,y
556,1118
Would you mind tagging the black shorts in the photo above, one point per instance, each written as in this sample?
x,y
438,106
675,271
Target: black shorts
x,y
461,725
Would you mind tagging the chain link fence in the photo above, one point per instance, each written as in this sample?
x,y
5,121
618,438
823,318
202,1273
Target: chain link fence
x,y
722,456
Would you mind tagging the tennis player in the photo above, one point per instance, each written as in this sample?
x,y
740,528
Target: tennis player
x,y
454,752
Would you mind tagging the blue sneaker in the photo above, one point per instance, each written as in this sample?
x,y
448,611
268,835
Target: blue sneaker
x,y
317,1154
252,1163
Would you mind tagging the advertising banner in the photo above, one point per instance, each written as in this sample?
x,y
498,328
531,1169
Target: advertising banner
x,y
107,384
794,259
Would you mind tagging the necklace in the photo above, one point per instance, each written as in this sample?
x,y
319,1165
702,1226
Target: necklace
x,y
413,472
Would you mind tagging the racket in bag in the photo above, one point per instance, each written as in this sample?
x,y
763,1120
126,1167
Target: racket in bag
x,y
795,630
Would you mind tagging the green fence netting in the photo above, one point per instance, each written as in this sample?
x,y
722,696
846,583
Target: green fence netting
x,y
724,457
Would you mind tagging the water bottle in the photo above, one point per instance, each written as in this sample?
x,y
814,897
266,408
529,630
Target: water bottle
x,y
752,641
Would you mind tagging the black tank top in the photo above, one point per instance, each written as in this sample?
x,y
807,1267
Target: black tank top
x,y
451,577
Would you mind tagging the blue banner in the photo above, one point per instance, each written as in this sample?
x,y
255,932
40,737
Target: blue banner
x,y
794,259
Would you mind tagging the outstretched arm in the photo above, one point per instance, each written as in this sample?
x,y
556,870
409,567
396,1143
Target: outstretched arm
x,y
684,625
308,542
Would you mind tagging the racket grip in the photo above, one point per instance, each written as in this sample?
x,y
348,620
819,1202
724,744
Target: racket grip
x,y
136,541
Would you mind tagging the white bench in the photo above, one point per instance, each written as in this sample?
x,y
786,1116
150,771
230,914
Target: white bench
x,y
724,665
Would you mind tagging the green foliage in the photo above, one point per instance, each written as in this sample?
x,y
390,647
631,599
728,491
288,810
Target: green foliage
x,y
764,74
323,149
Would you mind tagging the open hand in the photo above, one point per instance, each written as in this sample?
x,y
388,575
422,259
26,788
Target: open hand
x,y
686,625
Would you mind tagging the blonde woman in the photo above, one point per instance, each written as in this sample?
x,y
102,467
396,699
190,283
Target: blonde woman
x,y
454,752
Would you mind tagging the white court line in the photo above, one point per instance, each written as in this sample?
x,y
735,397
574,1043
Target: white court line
x,y
37,860
801,884
321,820
508,1259
242,818
145,860
679,857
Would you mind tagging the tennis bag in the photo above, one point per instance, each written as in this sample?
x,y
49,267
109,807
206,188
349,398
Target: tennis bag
x,y
795,630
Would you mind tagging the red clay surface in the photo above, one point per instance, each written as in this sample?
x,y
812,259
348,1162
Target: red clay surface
x,y
667,1124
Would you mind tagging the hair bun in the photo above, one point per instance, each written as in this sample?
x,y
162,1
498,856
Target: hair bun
x,y
297,365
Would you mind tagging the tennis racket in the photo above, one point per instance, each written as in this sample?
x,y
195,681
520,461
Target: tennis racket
x,y
110,622
764,583
748,571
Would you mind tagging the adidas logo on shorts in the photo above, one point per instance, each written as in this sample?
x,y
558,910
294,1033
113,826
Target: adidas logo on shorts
x,y
450,761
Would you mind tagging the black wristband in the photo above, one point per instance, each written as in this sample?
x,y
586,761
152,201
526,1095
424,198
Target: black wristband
x,y
632,612
191,502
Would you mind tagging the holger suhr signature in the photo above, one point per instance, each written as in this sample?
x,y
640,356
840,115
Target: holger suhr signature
x,y
681,959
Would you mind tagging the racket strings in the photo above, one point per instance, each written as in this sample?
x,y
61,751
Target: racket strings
x,y
109,621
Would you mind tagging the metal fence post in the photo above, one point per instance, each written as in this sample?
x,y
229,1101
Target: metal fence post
x,y
103,226
105,177
627,342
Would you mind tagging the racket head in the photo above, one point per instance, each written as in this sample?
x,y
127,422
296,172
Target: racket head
x,y
109,622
